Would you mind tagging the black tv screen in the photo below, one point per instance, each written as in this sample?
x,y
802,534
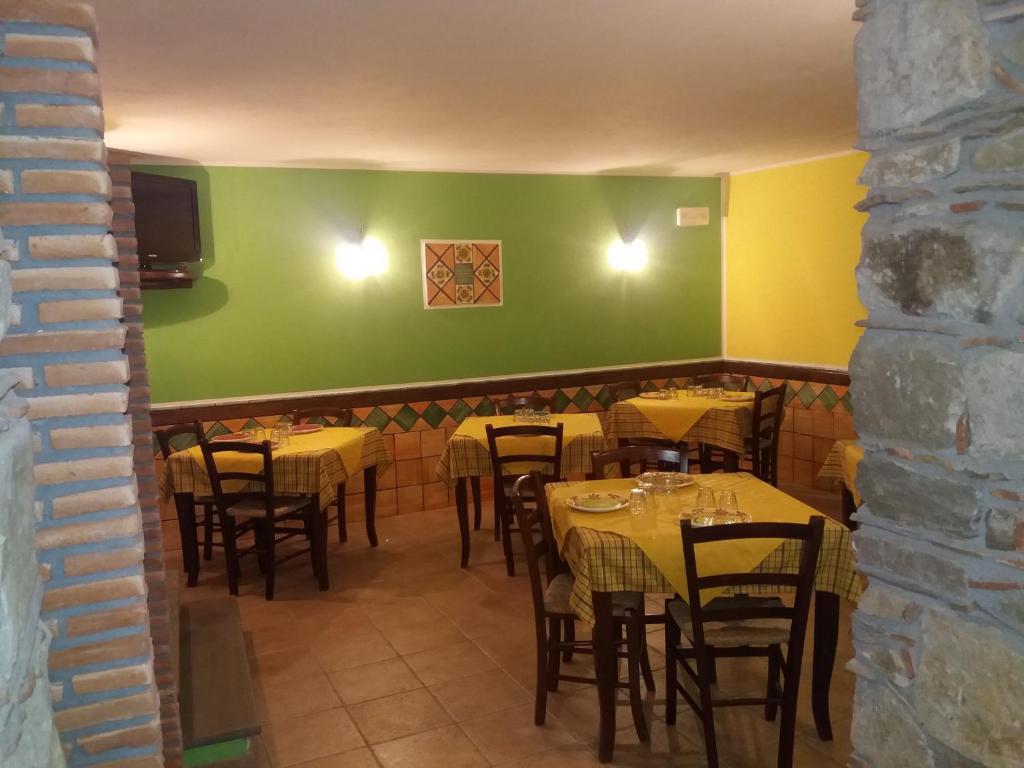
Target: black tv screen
x,y
166,218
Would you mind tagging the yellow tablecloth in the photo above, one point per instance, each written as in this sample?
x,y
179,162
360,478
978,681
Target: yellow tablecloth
x,y
314,463
720,422
466,454
675,417
612,551
841,465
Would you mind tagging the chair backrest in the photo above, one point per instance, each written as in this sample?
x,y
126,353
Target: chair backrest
x,y
501,460
536,544
513,403
765,428
164,436
802,581
623,390
265,474
644,457
342,416
554,564
733,382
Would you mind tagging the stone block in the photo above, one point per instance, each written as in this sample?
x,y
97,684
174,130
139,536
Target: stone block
x,y
907,388
55,406
970,689
121,588
112,679
51,214
80,310
124,708
885,602
65,279
47,148
62,341
89,502
917,567
59,116
997,426
72,247
966,271
1004,529
942,62
916,498
84,624
81,374
885,732
106,560
59,81
1001,154
111,436
66,182
104,468
75,534
907,167
62,47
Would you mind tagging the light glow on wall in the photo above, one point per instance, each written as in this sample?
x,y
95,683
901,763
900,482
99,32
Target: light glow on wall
x,y
357,261
627,257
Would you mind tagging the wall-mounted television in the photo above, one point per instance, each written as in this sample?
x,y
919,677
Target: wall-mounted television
x,y
166,220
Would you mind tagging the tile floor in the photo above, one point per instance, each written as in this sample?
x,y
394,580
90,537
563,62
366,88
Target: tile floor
x,y
410,662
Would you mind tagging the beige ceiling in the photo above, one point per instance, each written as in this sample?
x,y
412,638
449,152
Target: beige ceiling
x,y
538,86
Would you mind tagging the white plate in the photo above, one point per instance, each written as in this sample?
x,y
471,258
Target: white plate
x,y
598,502
307,429
651,395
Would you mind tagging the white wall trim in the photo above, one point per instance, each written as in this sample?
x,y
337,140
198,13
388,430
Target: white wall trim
x,y
801,161
441,383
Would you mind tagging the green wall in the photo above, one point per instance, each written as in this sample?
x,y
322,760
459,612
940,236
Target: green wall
x,y
272,315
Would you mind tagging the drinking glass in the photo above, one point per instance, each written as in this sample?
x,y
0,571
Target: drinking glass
x,y
673,393
727,502
705,499
638,502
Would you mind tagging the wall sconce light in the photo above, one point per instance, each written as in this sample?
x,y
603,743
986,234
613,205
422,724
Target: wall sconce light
x,y
357,261
627,257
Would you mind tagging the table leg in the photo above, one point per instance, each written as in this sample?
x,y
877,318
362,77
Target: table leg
x,y
606,672
320,526
474,484
185,505
849,507
826,638
461,507
731,462
370,496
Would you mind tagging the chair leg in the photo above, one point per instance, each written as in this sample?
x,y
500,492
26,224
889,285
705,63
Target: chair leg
x,y
540,707
271,557
774,665
498,502
636,703
307,526
645,658
554,639
474,485
207,532
506,542
227,532
705,664
342,523
788,725
319,551
671,668
570,637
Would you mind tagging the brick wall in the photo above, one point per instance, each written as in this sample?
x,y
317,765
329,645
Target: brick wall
x,y
69,338
937,381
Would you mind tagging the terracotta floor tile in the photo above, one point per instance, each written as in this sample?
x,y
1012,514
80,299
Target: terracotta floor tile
x,y
478,695
304,738
356,758
511,735
441,748
281,698
571,756
288,664
373,681
423,636
449,662
400,715
346,652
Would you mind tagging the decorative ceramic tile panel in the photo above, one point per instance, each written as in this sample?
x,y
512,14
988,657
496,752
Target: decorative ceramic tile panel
x,y
461,273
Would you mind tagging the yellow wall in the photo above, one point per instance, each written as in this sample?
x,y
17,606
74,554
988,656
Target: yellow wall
x,y
792,243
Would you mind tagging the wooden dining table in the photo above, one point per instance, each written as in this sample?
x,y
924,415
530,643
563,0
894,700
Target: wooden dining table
x,y
687,419
615,551
466,455
841,467
310,464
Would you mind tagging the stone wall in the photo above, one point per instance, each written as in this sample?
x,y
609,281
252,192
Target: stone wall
x,y
937,382
68,341
28,738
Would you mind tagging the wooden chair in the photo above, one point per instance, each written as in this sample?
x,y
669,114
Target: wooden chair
x,y
553,616
732,382
504,479
512,403
265,514
741,626
207,519
762,447
342,418
644,457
